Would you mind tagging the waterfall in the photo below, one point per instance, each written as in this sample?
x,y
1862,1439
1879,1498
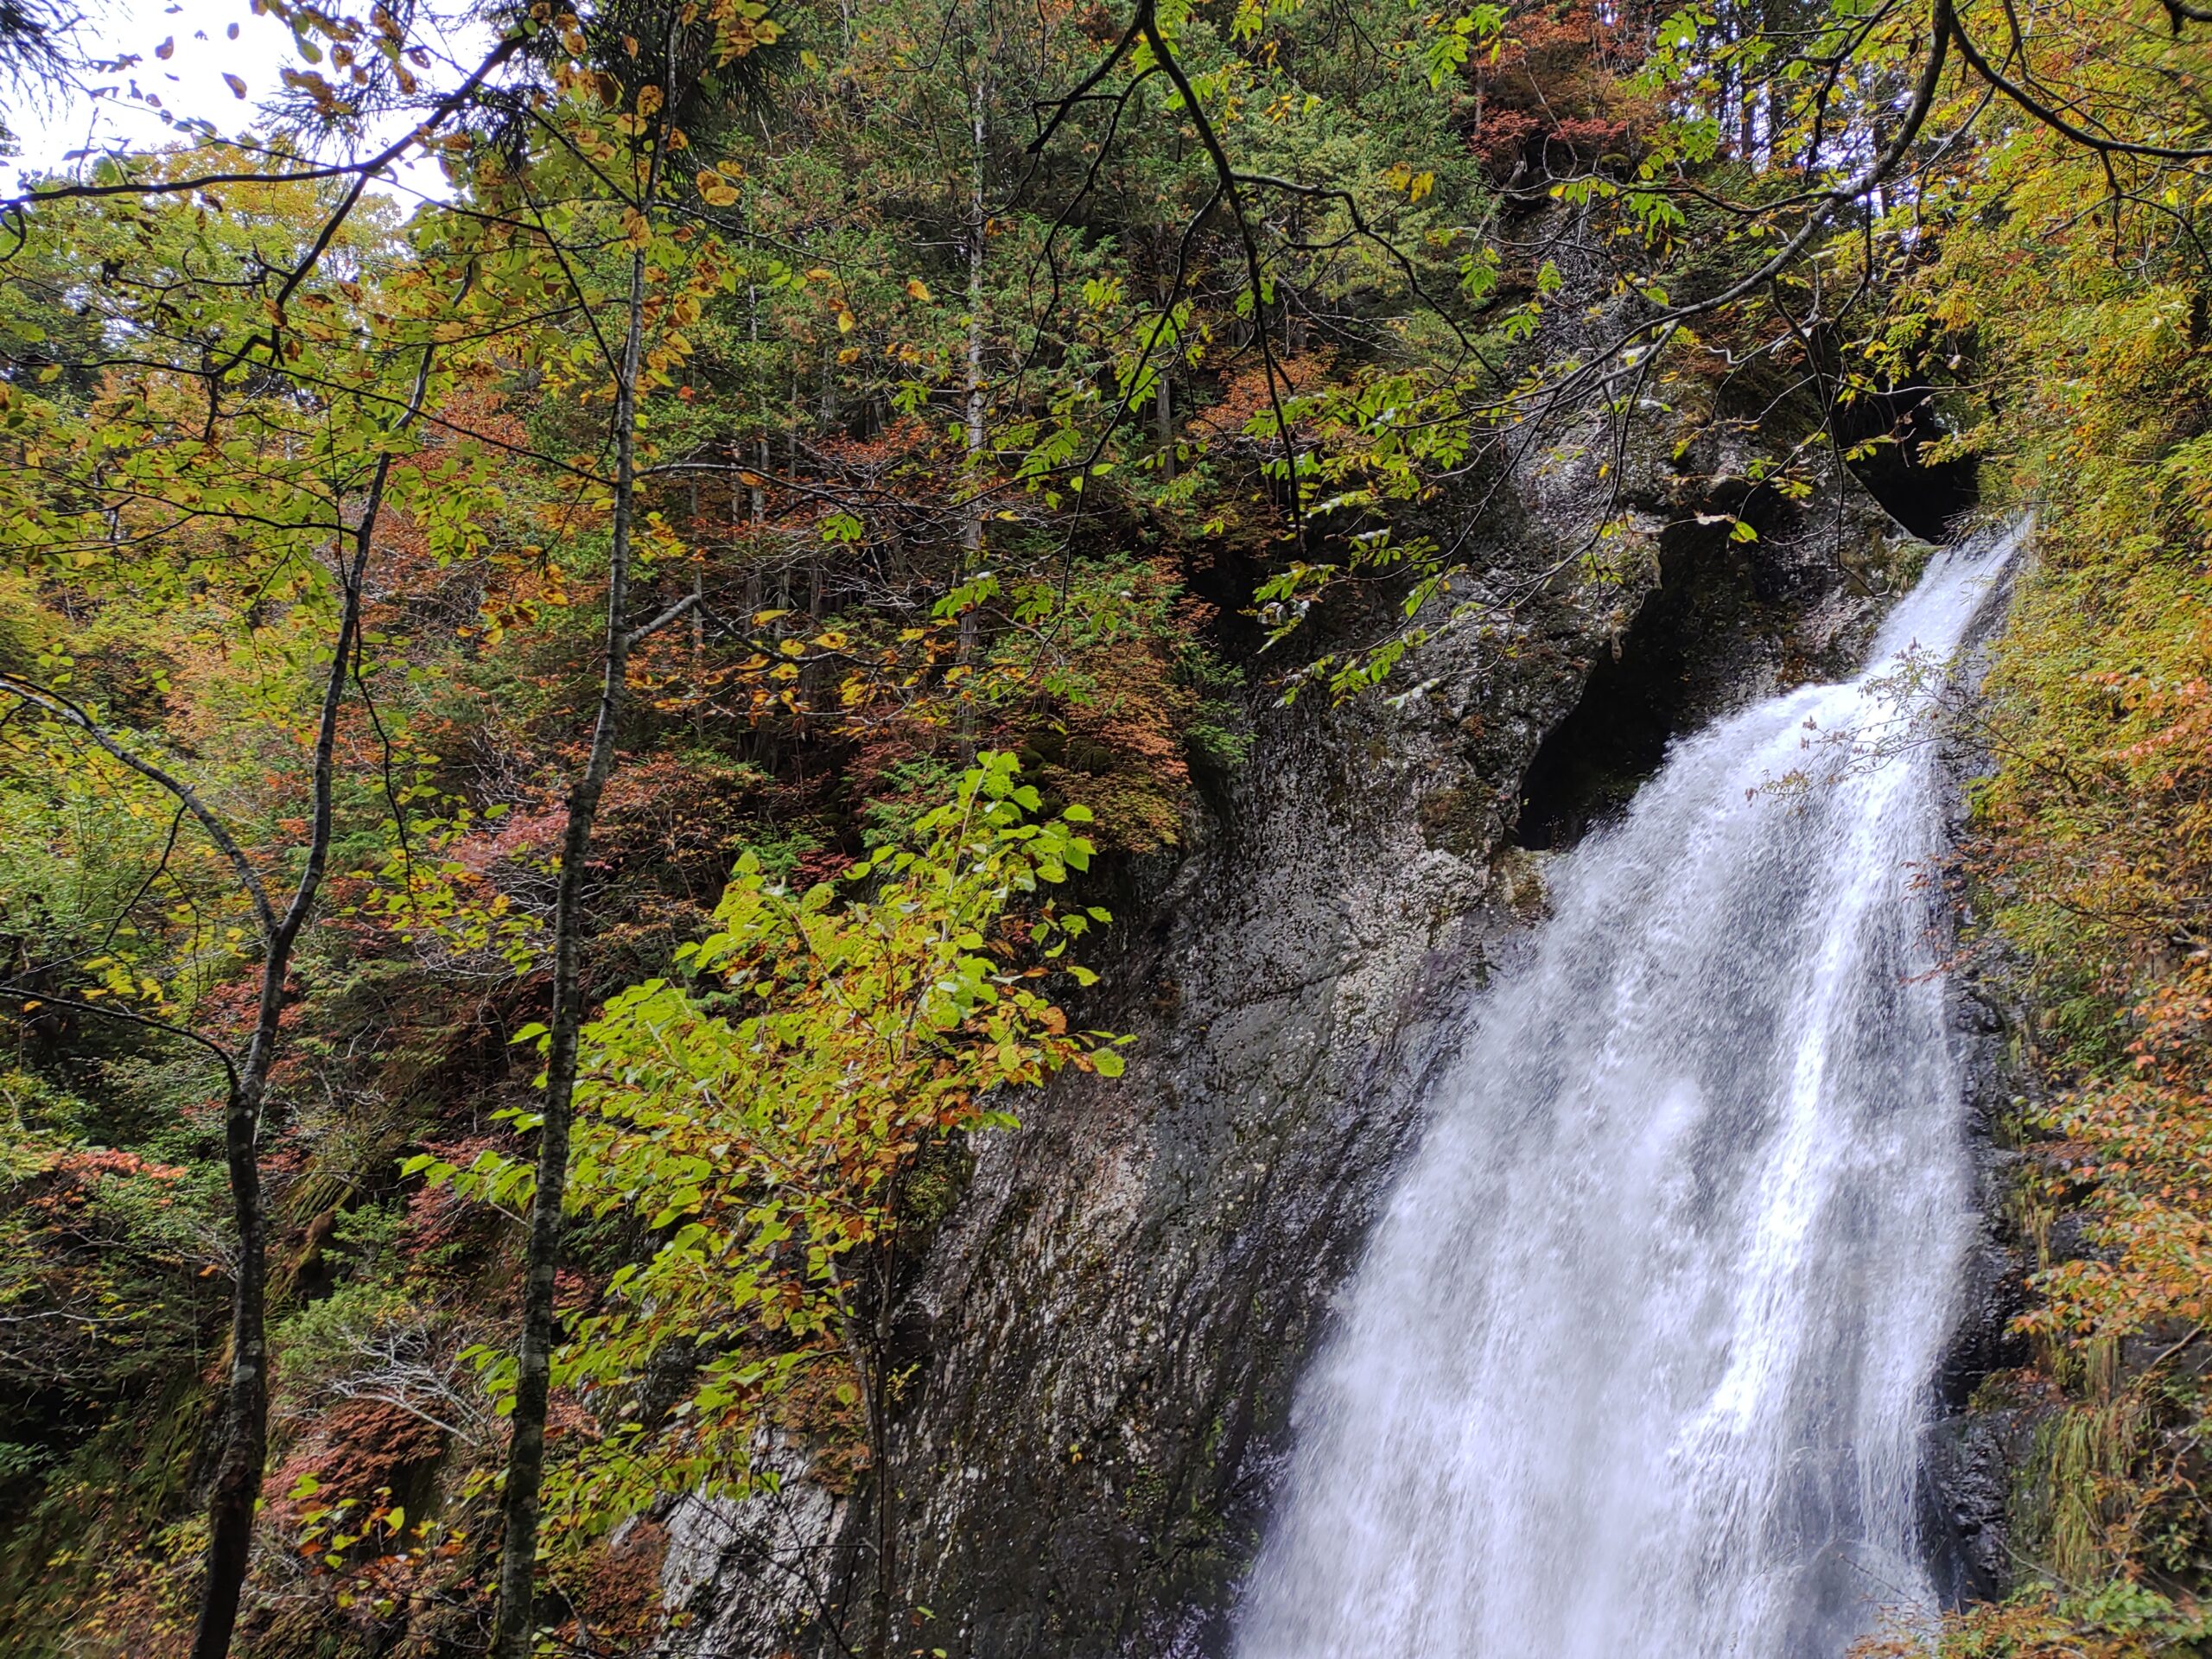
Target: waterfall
x,y
1638,1358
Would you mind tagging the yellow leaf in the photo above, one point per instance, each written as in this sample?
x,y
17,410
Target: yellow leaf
x,y
918,288
844,322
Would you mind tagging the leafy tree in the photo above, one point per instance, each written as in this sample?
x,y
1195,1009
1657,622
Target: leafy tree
x,y
730,463
774,1123
243,465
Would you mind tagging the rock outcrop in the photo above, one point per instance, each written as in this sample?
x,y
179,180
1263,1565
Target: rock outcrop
x,y
1106,1333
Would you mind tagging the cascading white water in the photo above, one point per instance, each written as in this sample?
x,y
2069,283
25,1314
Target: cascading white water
x,y
1637,1359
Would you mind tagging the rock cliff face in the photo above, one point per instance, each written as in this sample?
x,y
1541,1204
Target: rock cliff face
x,y
1975,1449
1107,1330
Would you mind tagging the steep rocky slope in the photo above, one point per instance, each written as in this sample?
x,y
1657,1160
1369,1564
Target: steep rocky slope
x,y
1107,1332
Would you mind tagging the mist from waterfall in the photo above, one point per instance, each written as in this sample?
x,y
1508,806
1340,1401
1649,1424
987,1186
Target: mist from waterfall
x,y
1639,1356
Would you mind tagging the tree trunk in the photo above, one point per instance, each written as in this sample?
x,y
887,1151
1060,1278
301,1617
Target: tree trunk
x,y
236,1489
971,526
236,1485
876,1351
971,529
1165,415
887,1526
534,1353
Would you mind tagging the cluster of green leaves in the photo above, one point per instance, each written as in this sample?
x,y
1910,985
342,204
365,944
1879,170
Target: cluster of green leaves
x,y
763,1122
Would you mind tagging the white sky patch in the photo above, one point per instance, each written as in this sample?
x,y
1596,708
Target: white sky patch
x,y
135,107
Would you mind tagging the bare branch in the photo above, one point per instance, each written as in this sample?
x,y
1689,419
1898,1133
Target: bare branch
x,y
446,107
128,1017
69,711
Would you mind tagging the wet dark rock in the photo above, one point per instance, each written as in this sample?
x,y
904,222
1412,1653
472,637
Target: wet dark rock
x,y
1981,1438
1114,1315
1969,1461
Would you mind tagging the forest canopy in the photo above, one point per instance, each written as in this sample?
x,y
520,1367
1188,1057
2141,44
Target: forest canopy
x,y
561,744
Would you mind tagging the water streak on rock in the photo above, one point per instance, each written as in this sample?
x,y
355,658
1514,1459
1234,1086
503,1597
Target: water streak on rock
x,y
1638,1357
